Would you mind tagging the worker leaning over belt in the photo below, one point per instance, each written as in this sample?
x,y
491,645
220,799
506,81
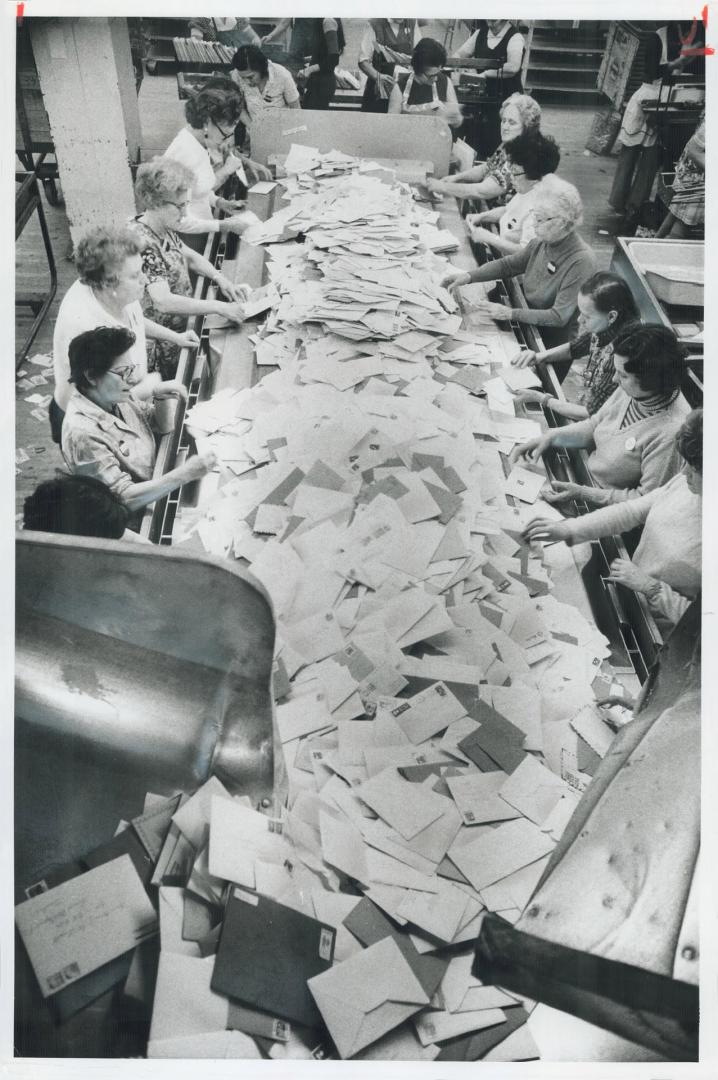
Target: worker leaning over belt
x,y
554,266
107,434
631,439
666,565
110,287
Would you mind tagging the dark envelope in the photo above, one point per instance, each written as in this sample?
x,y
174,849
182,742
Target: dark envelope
x,y
369,925
497,739
152,827
266,954
474,1045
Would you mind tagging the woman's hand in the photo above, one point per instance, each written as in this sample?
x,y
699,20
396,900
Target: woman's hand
x,y
170,388
199,465
530,395
624,572
480,235
256,171
235,291
546,529
476,219
494,311
233,311
564,490
230,206
525,358
188,340
240,223
532,450
454,279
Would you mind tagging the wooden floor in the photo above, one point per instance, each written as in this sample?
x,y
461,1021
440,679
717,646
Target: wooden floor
x,y
161,115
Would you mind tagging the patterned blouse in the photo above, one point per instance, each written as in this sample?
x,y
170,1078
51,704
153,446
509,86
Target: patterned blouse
x,y
163,260
598,375
499,166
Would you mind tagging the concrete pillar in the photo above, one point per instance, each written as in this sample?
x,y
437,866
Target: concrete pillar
x,y
87,81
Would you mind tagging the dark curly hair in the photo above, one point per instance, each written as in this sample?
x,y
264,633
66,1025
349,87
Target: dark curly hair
x,y
75,505
537,154
94,352
689,440
219,106
654,355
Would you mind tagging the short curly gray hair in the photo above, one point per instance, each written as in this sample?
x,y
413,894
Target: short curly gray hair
x,y
101,253
161,181
562,198
528,109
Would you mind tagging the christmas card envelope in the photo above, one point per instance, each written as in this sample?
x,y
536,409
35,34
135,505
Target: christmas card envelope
x,y
267,953
368,995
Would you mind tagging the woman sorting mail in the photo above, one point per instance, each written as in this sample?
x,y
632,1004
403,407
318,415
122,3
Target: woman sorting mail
x,y
666,565
427,89
554,266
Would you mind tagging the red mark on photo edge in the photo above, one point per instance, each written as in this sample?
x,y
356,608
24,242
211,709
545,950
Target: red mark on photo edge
x,y
20,11
703,50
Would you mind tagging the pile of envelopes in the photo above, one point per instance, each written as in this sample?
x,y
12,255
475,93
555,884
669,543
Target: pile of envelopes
x,y
435,702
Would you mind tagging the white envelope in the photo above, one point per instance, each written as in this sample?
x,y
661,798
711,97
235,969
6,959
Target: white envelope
x,y
524,485
171,920
428,712
192,818
533,790
501,851
436,1026
78,926
239,837
184,1003
463,992
477,797
407,807
366,996
343,846
215,1045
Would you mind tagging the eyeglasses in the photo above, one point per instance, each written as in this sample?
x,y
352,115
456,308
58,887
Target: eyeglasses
x,y
124,373
179,205
223,133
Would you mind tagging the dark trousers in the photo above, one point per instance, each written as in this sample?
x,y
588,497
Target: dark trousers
x,y
56,415
319,91
635,172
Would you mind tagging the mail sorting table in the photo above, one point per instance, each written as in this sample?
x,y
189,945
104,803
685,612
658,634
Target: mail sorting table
x,y
226,359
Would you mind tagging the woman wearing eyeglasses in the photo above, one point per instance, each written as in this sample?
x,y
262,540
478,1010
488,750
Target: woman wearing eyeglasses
x,y
531,157
111,436
554,266
162,188
212,116
427,89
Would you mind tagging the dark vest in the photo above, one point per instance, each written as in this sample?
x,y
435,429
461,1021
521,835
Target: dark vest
x,y
402,42
511,84
422,93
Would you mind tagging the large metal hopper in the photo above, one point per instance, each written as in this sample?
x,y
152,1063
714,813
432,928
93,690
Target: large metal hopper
x,y
138,669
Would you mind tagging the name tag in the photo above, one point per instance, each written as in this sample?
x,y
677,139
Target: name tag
x,y
551,267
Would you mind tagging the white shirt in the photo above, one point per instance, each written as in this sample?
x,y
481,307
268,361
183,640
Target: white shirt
x,y
187,150
518,223
279,92
514,49
80,310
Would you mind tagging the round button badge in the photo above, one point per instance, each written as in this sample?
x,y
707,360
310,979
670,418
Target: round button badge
x,y
630,443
